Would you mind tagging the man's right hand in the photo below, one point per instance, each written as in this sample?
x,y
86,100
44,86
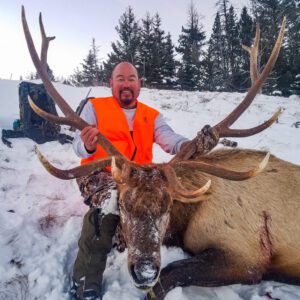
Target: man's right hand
x,y
89,137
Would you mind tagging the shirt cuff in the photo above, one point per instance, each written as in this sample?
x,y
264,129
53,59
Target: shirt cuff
x,y
83,152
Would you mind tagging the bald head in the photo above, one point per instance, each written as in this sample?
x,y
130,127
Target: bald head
x,y
125,84
124,65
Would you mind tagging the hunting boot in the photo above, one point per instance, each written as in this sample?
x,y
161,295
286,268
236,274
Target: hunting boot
x,y
94,244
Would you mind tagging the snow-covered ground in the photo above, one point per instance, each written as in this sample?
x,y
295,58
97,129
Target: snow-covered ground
x,y
40,215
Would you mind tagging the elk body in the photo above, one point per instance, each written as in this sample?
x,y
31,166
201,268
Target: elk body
x,y
239,232
250,229
236,230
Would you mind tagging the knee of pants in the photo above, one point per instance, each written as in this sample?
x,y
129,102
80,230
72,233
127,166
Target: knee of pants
x,y
109,224
107,230
90,241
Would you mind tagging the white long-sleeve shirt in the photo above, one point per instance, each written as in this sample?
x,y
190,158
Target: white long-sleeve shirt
x,y
164,135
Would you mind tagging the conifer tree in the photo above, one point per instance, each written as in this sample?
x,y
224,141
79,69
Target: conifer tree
x,y
269,15
157,64
234,50
127,48
290,77
76,78
145,49
91,72
191,42
246,34
230,45
169,63
156,75
223,10
213,76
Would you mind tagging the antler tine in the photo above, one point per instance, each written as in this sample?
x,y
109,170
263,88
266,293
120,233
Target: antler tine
x,y
223,126
71,116
222,172
45,43
254,130
76,172
253,52
180,193
222,129
66,109
49,117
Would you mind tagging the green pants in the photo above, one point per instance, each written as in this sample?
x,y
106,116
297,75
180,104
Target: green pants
x,y
94,244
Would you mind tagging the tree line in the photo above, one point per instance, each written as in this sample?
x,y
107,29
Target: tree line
x,y
218,63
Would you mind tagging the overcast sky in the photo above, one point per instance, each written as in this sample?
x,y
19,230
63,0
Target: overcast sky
x,y
76,22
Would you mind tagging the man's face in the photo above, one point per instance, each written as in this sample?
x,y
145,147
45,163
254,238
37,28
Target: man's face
x,y
125,84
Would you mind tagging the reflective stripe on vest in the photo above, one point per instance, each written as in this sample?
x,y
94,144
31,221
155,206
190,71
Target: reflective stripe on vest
x,y
112,123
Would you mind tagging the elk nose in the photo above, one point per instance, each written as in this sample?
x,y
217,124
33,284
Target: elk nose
x,y
144,274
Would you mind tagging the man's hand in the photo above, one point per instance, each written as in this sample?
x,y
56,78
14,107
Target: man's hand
x,y
89,137
204,142
206,139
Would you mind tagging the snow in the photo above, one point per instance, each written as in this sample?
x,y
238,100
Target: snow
x,y
41,216
111,206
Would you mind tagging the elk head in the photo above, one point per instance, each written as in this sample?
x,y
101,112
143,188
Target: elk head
x,y
146,195
147,192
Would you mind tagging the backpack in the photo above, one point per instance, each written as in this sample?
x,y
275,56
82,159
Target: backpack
x,y
30,124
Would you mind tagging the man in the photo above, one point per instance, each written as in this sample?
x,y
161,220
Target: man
x,y
132,127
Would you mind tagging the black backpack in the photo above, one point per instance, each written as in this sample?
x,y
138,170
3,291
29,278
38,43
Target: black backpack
x,y
30,124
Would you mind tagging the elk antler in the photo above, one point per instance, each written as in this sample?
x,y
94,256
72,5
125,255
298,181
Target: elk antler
x,y
41,66
222,129
222,172
79,171
45,44
179,192
253,52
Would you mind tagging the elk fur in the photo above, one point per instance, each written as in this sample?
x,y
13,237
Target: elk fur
x,y
256,222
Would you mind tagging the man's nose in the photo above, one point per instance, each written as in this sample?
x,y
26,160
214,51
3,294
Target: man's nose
x,y
126,83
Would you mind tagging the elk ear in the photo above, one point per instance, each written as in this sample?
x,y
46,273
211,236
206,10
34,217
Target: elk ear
x,y
116,171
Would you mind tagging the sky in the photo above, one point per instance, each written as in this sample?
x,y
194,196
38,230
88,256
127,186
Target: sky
x,y
76,22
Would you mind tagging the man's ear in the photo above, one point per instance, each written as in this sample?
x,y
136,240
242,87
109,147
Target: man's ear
x,y
110,83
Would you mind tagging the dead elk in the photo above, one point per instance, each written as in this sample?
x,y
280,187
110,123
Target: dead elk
x,y
237,230
241,231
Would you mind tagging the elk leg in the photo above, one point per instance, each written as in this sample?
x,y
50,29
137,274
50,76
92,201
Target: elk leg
x,y
210,268
279,277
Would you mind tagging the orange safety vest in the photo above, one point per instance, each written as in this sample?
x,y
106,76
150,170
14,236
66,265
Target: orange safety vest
x,y
112,123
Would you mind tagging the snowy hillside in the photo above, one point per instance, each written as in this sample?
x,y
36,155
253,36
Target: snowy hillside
x,y
40,215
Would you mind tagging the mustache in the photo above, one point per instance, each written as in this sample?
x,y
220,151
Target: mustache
x,y
126,90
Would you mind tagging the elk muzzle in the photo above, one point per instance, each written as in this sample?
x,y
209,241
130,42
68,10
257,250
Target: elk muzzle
x,y
144,273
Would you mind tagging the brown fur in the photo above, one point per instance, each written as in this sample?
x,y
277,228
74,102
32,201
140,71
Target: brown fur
x,y
239,232
254,221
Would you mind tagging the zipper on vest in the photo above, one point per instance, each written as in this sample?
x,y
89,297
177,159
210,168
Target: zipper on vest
x,y
135,148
